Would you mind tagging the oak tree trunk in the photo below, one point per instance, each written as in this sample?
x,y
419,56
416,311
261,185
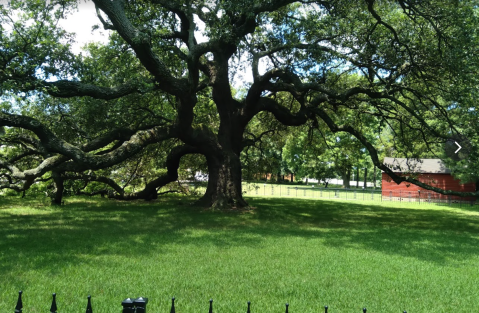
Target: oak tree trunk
x,y
365,185
224,182
58,188
357,177
346,176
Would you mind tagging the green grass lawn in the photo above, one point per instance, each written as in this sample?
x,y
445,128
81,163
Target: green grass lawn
x,y
309,253
315,191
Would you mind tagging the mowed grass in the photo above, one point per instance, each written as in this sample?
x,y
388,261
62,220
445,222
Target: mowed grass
x,y
309,253
388,198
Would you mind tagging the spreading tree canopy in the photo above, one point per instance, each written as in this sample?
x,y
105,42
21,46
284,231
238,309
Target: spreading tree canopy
x,y
173,81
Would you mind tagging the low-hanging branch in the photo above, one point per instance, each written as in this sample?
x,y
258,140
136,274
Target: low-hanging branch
x,y
54,144
172,164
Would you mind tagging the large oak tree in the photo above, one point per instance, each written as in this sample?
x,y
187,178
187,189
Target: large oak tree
x,y
165,80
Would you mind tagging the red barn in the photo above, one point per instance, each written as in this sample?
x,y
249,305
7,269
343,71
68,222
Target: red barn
x,y
430,171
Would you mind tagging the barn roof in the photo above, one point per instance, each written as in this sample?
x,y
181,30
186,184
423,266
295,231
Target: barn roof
x,y
429,166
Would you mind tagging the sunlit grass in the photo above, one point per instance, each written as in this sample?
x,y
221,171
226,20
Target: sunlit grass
x,y
368,196
309,253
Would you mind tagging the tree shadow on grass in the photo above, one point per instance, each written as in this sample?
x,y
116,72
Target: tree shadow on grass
x,y
53,237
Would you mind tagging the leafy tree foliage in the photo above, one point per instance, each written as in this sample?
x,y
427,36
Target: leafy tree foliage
x,y
161,89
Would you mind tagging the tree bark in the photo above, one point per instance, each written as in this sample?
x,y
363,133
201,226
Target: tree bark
x,y
357,177
365,177
150,192
58,184
346,175
224,188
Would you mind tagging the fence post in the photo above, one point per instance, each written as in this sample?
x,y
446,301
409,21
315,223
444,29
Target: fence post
x,y
172,310
88,306
326,309
128,306
287,306
419,193
249,309
140,304
211,306
364,310
53,308
19,306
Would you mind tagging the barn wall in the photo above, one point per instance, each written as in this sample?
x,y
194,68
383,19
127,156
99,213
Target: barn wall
x,y
443,181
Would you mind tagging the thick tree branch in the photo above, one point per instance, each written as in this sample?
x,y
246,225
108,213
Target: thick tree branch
x,y
186,22
282,114
101,179
172,165
106,25
45,166
142,47
56,145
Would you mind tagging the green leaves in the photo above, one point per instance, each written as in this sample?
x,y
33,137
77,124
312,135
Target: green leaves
x,y
353,73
